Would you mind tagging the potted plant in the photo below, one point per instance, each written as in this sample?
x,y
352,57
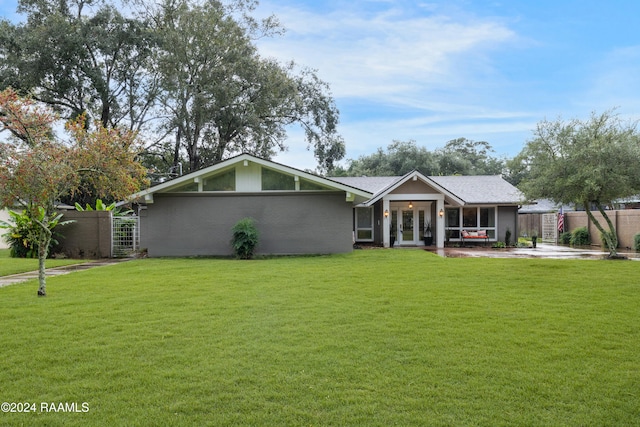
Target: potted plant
x,y
534,238
428,238
392,236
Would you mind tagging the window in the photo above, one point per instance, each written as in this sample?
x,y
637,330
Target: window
x,y
224,182
306,185
394,221
364,224
470,217
192,186
487,217
473,218
453,217
273,180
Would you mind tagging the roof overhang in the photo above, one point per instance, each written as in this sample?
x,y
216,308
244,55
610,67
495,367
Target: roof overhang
x,y
352,194
415,176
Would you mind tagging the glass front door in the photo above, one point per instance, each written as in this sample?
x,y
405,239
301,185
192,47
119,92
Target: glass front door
x,y
410,226
407,227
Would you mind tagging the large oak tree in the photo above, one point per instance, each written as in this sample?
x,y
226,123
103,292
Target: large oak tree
x,y
81,57
186,73
222,98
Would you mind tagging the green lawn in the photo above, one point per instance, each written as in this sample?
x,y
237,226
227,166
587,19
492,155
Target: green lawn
x,y
10,265
376,338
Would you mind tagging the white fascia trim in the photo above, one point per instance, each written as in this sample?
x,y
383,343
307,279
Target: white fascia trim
x,y
184,179
413,176
415,197
243,159
310,177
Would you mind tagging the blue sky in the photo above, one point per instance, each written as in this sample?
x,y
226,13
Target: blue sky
x,y
433,71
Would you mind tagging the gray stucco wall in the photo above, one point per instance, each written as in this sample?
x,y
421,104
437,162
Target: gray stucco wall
x,y
89,236
291,223
507,218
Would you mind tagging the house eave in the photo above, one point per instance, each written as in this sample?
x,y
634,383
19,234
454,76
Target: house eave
x,y
352,194
415,175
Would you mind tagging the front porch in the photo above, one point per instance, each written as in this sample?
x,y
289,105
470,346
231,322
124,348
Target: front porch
x,y
413,220
398,222
406,210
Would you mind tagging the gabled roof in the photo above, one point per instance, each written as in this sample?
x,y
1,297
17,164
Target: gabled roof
x,y
354,192
481,189
463,190
372,184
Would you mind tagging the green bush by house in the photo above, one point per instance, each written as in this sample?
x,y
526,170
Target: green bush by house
x,y
580,237
245,238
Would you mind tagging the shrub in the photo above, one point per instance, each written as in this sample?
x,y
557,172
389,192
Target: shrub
x,y
507,237
245,238
636,242
22,236
499,245
565,238
101,206
580,237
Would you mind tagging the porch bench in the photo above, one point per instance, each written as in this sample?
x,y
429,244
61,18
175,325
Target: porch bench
x,y
475,235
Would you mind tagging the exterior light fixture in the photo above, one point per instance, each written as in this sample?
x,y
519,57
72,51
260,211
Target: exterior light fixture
x,y
410,205
441,213
386,213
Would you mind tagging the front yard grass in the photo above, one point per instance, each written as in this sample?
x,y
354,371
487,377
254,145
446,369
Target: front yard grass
x,y
376,338
10,265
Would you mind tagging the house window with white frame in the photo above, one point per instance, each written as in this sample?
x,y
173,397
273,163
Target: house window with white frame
x,y
364,224
471,219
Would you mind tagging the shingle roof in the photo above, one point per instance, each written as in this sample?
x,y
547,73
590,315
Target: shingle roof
x,y
544,206
372,184
478,189
168,186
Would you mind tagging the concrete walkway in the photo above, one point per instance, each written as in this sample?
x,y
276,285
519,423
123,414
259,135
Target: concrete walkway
x,y
58,271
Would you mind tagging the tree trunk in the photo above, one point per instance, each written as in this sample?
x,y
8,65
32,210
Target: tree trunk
x,y
610,237
176,148
43,251
42,277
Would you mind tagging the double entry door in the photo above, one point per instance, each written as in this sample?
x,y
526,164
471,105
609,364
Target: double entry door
x,y
409,223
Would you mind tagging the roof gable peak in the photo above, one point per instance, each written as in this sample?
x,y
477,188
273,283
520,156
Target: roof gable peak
x,y
253,164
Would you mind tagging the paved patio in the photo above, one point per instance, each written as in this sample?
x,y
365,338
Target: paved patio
x,y
543,250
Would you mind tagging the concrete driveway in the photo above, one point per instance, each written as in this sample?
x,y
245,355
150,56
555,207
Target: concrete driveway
x,y
543,250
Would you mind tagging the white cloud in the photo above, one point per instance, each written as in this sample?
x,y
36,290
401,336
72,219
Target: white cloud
x,y
386,54
430,69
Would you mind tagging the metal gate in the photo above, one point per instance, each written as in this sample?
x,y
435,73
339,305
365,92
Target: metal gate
x,y
125,235
549,227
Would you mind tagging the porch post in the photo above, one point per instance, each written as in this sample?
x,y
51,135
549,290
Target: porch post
x,y
386,221
440,223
